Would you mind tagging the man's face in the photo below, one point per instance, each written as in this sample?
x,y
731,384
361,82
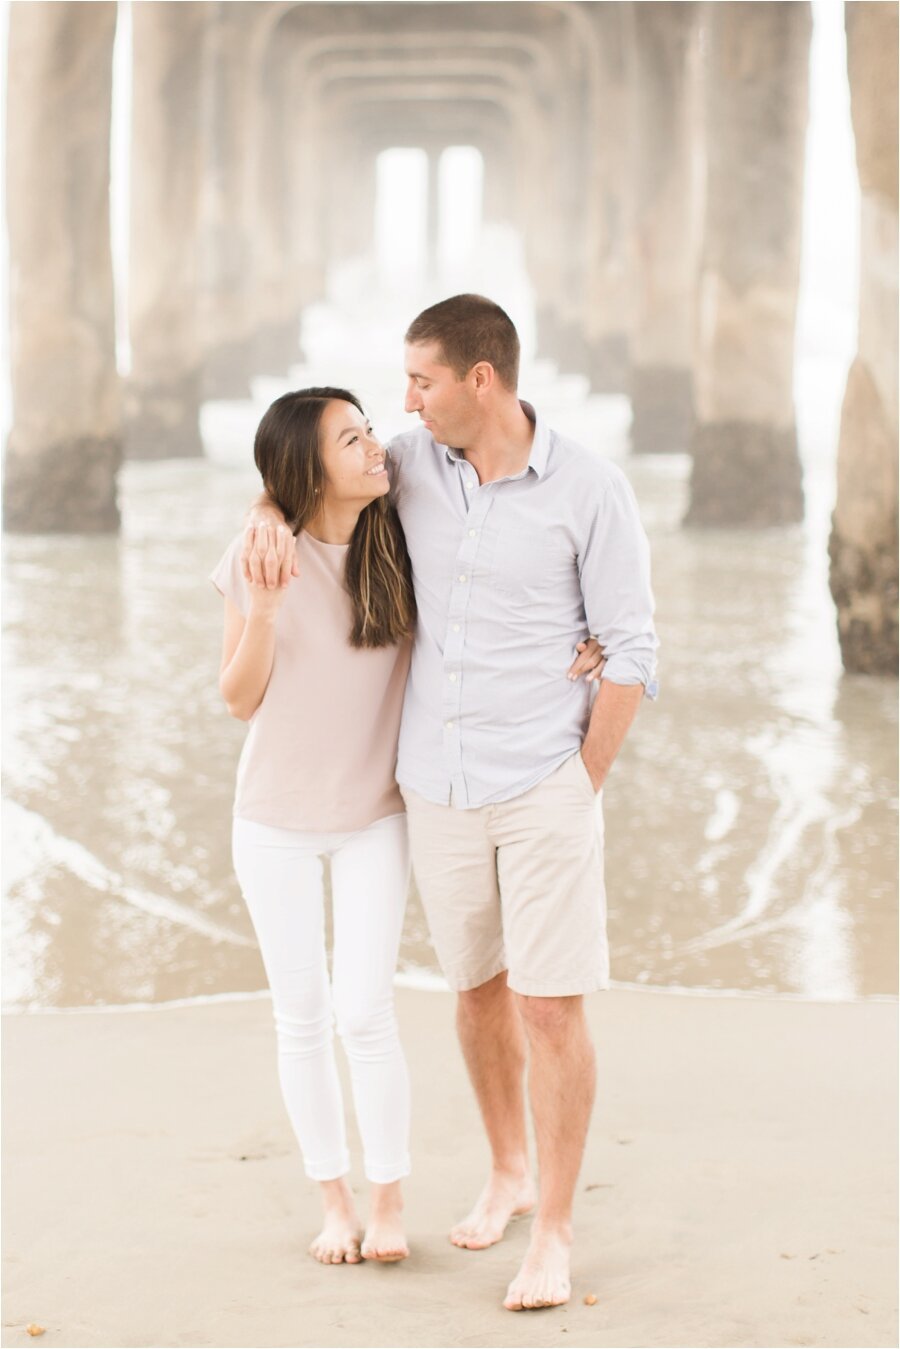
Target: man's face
x,y
446,405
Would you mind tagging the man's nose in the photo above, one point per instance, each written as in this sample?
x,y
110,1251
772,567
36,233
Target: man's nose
x,y
413,401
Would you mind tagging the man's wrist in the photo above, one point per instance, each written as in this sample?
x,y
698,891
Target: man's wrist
x,y
597,774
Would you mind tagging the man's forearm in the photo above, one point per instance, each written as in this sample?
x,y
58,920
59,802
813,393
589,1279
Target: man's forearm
x,y
615,708
264,509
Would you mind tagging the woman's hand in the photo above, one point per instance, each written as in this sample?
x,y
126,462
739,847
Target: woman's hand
x,y
268,557
589,662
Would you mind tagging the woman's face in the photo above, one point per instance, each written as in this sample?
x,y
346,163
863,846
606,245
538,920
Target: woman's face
x,y
353,460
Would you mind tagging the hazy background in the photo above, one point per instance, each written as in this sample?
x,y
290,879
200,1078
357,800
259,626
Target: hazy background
x,y
750,823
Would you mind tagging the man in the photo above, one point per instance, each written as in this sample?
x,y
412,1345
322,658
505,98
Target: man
x,y
520,541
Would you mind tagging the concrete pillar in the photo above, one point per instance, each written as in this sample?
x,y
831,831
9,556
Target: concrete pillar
x,y
541,221
863,545
277,114
225,284
164,389
746,466
499,185
65,445
663,225
361,226
433,212
352,178
309,144
562,324
608,293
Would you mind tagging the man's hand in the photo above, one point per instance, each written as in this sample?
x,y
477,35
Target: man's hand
x,y
615,708
589,662
269,556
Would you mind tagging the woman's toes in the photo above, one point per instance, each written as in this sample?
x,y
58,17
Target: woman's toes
x,y
337,1244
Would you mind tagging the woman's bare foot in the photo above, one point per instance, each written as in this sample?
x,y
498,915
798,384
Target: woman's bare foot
x,y
503,1197
385,1239
338,1241
543,1279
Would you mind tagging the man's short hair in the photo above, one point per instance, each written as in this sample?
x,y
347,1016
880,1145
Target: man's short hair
x,y
469,329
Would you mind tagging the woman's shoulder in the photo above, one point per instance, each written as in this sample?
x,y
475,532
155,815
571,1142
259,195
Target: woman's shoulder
x,y
227,575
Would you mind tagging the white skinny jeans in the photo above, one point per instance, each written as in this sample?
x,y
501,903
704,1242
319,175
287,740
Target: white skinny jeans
x,y
280,874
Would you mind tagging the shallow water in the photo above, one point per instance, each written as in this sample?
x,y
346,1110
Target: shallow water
x,y
750,821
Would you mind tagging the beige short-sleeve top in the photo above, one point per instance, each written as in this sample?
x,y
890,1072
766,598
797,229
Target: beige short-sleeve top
x,y
321,750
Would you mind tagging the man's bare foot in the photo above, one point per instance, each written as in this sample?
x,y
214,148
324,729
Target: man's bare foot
x,y
543,1279
503,1197
385,1239
338,1241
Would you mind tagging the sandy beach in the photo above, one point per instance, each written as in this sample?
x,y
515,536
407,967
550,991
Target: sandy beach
x,y
739,1186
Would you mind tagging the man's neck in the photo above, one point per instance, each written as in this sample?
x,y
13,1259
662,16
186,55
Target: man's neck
x,y
502,446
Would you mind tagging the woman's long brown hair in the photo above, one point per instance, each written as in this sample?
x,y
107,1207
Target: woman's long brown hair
x,y
377,573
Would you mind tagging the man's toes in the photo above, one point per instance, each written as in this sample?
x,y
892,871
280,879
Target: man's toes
x,y
513,1300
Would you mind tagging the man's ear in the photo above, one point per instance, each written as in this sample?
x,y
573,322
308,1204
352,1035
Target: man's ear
x,y
483,376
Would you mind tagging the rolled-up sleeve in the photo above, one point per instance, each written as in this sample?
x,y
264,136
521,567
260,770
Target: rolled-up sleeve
x,y
614,567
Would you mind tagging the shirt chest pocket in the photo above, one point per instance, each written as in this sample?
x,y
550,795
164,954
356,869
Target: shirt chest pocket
x,y
529,563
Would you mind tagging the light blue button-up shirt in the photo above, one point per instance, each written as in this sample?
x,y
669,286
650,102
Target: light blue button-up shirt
x,y
508,576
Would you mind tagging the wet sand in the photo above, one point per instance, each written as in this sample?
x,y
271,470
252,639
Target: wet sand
x,y
751,820
739,1186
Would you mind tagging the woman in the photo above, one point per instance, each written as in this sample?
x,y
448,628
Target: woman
x,y
318,667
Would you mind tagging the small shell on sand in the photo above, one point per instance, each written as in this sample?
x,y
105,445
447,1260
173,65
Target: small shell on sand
x,y
33,1329
590,1299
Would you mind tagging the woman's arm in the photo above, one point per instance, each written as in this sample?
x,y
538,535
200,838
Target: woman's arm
x,y
248,650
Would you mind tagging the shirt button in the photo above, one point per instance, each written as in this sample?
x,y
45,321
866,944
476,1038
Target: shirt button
x,y
462,578
469,486
456,627
449,725
452,678
472,533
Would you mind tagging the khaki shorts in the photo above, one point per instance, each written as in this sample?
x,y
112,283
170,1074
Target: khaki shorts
x,y
517,886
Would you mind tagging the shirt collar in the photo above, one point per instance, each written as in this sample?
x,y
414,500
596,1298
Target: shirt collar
x,y
540,445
